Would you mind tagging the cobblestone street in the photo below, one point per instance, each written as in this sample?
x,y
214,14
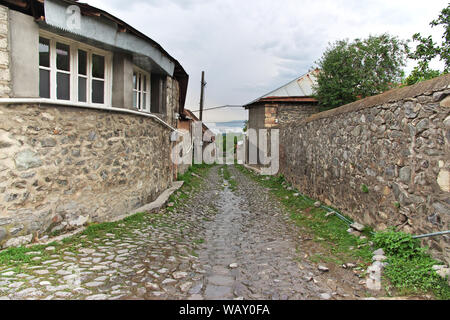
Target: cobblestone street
x,y
214,244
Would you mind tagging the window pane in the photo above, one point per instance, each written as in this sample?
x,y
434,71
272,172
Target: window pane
x,y
62,57
82,82
98,66
139,101
144,101
62,86
144,87
82,62
135,99
44,52
139,82
44,83
134,80
98,91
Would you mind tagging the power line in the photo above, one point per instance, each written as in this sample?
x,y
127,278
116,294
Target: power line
x,y
221,107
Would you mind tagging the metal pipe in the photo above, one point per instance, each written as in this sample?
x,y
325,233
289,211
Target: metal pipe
x,y
431,234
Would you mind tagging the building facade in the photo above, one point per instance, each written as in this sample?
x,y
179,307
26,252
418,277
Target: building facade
x,y
87,108
291,102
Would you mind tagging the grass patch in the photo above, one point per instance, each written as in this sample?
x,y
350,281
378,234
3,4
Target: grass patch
x,y
16,256
364,188
409,268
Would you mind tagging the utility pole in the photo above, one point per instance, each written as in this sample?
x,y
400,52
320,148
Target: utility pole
x,y
202,93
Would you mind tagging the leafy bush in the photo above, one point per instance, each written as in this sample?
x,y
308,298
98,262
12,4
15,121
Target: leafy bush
x,y
409,266
398,243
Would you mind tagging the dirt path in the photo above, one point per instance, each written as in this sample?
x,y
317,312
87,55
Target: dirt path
x,y
217,244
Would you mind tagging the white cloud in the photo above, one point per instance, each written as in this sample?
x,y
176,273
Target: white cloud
x,y
248,48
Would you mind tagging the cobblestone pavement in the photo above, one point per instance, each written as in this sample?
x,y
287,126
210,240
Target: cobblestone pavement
x,y
216,244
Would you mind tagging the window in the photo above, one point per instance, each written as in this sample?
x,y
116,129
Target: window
x,y
158,91
82,76
98,78
62,71
73,71
44,68
141,90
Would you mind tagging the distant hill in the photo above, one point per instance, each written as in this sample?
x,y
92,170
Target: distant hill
x,y
221,127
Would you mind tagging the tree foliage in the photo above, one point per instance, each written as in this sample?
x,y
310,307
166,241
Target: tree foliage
x,y
428,50
358,69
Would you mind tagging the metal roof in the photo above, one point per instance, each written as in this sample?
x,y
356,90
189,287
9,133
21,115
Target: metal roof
x,y
299,87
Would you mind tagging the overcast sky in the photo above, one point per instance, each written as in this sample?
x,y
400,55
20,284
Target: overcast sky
x,y
250,47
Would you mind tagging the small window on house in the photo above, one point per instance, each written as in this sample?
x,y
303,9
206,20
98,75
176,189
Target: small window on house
x,y
141,90
44,68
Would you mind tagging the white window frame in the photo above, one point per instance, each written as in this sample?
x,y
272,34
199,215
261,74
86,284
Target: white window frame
x,y
140,72
74,47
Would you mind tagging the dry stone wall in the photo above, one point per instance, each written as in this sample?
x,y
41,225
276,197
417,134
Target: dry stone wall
x,y
61,167
287,113
384,161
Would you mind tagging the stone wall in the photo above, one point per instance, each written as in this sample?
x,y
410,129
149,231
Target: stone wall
x,y
61,167
287,113
397,145
5,76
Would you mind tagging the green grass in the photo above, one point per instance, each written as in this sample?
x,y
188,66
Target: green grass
x,y
364,188
199,241
409,268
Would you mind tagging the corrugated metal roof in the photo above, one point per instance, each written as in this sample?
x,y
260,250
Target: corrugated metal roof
x,y
299,87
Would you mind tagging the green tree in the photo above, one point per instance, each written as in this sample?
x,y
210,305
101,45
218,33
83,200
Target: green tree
x,y
428,50
353,70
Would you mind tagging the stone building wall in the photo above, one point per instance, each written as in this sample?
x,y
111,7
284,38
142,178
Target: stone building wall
x,y
271,115
287,113
61,167
5,77
397,144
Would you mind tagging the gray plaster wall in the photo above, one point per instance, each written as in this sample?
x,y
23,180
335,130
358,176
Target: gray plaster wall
x,y
122,96
24,43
